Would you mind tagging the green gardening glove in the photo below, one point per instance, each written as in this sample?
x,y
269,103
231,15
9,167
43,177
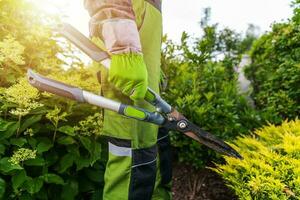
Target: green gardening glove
x,y
128,73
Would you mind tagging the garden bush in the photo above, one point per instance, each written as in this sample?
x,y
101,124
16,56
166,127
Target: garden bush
x,y
47,150
271,165
203,86
275,71
49,147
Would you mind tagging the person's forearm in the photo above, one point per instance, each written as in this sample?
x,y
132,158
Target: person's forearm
x,y
114,22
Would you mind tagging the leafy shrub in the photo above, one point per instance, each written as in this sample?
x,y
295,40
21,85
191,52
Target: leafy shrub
x,y
27,41
47,152
204,88
271,165
49,147
275,71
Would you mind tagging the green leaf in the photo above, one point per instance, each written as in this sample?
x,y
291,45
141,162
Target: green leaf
x,y
52,178
32,142
10,130
74,150
2,187
66,162
82,163
4,125
209,95
66,140
30,121
96,153
6,166
18,179
70,190
18,141
44,145
35,162
67,130
86,142
33,186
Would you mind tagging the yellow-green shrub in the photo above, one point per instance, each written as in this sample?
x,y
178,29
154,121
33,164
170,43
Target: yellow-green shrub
x,y
271,165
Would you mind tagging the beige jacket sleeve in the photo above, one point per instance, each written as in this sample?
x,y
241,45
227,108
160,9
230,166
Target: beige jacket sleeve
x,y
114,22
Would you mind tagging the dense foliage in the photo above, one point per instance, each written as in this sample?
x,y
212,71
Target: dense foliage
x,y
202,84
48,146
25,42
275,71
271,165
47,150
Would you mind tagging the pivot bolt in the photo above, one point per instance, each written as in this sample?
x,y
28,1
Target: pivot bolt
x,y
182,124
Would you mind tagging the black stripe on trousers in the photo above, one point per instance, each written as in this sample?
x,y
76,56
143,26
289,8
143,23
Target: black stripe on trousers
x,y
143,173
165,156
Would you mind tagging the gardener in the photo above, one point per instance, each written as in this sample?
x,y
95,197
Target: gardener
x,y
138,164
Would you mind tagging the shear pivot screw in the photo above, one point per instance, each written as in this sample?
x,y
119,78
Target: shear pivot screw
x,y
182,124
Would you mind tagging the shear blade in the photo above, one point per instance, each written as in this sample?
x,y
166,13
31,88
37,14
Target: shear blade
x,y
211,141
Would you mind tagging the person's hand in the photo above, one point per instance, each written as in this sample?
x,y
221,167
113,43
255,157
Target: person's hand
x,y
128,73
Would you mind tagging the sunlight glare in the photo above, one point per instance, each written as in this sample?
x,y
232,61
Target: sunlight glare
x,y
71,11
64,8
51,7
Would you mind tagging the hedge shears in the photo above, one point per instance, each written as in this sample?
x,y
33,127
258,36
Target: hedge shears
x,y
165,115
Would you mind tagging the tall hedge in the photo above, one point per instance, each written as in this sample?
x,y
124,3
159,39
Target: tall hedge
x,y
203,86
271,165
275,71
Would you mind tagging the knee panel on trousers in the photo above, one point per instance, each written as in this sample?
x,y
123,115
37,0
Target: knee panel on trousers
x,y
133,171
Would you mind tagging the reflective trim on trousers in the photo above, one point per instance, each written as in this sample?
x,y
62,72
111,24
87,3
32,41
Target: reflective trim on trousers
x,y
119,151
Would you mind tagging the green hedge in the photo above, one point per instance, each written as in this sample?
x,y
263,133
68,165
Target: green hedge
x,y
271,165
275,71
205,89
